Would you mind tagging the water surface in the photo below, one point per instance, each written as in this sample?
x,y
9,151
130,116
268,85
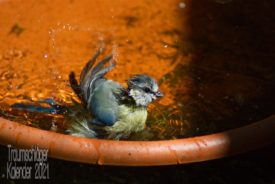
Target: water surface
x,y
213,59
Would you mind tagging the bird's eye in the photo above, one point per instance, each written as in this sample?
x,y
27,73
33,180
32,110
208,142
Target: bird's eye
x,y
147,90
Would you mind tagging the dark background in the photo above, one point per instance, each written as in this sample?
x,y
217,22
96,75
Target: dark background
x,y
256,167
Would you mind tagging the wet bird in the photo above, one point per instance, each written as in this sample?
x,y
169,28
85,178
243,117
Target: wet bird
x,y
117,110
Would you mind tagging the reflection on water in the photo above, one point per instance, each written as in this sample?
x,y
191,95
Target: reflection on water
x,y
204,54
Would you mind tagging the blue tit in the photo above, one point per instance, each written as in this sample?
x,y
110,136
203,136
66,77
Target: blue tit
x,y
119,111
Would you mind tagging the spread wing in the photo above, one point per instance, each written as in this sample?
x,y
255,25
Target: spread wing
x,y
90,75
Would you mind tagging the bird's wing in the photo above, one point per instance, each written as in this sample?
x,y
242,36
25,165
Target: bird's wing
x,y
99,94
90,74
103,102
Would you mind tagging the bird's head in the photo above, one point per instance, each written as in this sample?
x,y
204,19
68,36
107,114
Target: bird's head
x,y
143,89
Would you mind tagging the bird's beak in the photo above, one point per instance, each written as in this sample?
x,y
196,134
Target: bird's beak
x,y
159,94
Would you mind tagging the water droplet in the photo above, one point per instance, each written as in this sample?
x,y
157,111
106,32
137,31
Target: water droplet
x,y
182,5
53,127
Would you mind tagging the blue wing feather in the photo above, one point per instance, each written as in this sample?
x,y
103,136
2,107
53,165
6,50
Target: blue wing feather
x,y
103,102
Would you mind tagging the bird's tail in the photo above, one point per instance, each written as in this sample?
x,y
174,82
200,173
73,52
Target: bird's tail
x,y
80,128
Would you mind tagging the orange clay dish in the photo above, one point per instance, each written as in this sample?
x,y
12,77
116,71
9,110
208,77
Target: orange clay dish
x,y
140,153
47,38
